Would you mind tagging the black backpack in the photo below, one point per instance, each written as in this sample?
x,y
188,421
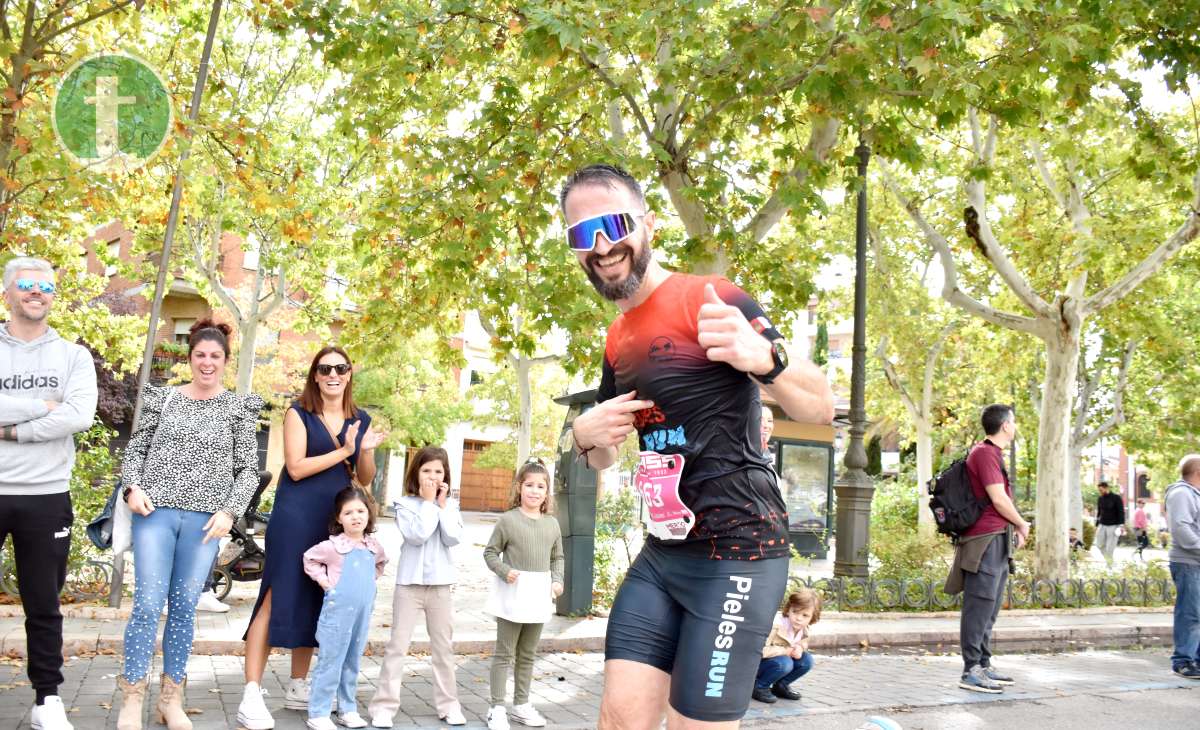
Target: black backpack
x,y
952,500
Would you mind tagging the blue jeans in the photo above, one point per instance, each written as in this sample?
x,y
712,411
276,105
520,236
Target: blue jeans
x,y
342,635
170,566
782,669
1187,613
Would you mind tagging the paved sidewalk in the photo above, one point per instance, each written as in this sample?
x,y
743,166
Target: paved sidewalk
x,y
99,629
567,687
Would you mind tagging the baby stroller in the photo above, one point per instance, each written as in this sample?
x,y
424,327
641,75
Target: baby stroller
x,y
242,559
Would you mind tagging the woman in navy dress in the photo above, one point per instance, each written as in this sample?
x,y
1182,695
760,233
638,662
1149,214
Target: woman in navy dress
x,y
317,468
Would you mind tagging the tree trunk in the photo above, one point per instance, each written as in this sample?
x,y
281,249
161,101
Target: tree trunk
x,y
248,332
1074,489
525,420
1062,361
925,523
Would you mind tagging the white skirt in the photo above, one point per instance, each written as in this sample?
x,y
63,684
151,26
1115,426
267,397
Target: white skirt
x,y
528,601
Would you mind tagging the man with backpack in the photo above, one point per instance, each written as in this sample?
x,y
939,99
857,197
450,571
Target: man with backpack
x,y
983,548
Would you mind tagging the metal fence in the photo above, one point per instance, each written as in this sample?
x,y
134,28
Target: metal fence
x,y
925,594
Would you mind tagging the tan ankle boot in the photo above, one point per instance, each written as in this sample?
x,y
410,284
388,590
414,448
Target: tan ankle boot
x,y
170,705
132,697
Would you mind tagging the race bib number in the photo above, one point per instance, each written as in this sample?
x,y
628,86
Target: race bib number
x,y
657,480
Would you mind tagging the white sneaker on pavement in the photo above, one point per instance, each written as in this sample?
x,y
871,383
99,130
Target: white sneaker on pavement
x,y
50,715
252,713
208,601
352,719
455,717
297,694
319,723
527,715
497,718
381,720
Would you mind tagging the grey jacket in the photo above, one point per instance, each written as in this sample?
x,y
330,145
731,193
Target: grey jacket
x,y
1183,517
31,373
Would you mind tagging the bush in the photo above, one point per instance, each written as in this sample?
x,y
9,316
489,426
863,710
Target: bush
x,y
898,550
617,541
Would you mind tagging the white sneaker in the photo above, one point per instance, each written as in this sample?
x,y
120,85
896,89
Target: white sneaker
x,y
297,694
497,718
455,717
319,723
352,719
252,713
527,715
208,601
381,720
50,715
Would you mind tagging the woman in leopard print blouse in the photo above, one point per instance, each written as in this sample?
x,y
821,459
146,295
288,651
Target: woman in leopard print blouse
x,y
189,470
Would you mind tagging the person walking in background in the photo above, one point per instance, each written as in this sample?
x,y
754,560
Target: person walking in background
x,y
430,523
1110,518
328,442
47,395
345,567
786,657
189,470
1141,526
526,554
1182,501
766,428
983,553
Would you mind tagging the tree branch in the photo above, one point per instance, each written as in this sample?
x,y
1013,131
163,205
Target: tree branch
x,y
893,378
931,364
1153,262
633,105
820,141
950,289
1118,414
980,230
119,5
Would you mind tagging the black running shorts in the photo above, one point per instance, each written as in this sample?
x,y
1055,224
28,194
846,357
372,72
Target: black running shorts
x,y
702,621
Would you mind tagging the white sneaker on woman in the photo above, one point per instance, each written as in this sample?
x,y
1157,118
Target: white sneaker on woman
x,y
352,719
50,715
252,713
526,714
381,719
497,718
455,717
296,697
208,601
319,723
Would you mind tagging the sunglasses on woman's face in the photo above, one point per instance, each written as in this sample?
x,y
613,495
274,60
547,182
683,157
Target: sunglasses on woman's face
x,y
342,368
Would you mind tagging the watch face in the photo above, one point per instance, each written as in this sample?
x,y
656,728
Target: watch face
x,y
780,353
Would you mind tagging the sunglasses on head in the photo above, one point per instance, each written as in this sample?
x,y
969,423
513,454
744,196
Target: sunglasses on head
x,y
46,287
616,227
341,368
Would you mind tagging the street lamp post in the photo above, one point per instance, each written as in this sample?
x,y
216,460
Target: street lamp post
x,y
854,488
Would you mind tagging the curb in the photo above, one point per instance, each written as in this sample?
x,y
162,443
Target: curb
x,y
938,641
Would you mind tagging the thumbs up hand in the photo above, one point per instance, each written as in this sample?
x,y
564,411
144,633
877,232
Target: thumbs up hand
x,y
726,336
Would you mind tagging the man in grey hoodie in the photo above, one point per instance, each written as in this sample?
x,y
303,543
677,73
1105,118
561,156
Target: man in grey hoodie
x,y
1183,517
47,395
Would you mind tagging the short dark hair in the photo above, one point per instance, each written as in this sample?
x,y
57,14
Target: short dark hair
x,y
995,416
607,175
351,494
1102,483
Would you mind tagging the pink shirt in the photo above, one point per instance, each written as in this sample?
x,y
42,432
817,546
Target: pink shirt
x,y
323,561
1140,521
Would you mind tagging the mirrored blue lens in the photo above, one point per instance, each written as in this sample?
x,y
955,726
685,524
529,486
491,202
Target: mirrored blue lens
x,y
28,284
615,226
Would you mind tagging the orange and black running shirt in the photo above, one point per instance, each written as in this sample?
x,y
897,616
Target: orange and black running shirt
x,y
708,412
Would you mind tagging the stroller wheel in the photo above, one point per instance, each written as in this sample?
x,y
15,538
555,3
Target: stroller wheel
x,y
222,583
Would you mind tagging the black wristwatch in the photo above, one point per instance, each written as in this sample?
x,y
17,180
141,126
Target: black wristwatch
x,y
780,357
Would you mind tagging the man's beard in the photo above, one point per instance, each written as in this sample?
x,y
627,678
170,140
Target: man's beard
x,y
626,288
23,312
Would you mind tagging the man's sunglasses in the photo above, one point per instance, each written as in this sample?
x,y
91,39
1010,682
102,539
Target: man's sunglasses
x,y
46,287
341,368
616,227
